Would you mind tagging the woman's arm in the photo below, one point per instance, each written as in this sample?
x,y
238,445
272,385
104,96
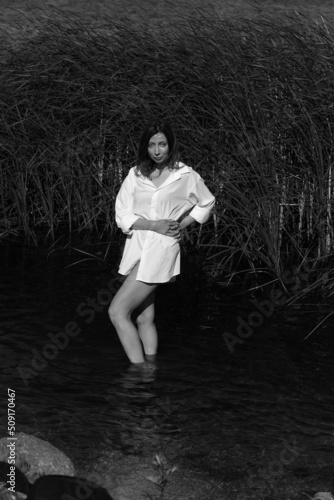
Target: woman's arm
x,y
124,215
186,222
204,201
141,223
167,227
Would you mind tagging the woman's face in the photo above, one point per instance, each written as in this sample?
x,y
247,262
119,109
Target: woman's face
x,y
158,148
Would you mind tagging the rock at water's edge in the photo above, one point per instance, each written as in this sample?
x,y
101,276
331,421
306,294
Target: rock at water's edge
x,y
36,457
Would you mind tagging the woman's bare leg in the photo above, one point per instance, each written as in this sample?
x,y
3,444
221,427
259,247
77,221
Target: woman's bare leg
x,y
131,295
146,327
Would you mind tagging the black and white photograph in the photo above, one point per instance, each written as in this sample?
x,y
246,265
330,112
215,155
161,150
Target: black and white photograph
x,y
166,250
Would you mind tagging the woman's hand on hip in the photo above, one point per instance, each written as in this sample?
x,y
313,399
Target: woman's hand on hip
x,y
167,227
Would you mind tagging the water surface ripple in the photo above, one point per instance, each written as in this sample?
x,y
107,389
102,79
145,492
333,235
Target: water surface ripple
x,y
227,415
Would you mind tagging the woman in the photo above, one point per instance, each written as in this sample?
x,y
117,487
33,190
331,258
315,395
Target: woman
x,y
152,199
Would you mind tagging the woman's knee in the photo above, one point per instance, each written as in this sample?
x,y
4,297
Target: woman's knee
x,y
145,317
115,313
111,312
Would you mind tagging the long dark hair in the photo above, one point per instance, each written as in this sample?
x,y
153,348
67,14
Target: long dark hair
x,y
145,165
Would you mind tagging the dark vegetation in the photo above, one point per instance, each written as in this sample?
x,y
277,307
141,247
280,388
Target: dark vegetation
x,y
252,105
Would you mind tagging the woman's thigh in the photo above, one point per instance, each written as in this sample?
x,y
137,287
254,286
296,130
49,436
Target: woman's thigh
x,y
132,294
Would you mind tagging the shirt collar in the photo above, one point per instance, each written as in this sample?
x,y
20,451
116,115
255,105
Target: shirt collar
x,y
174,175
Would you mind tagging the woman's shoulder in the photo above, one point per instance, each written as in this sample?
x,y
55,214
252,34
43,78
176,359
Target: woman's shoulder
x,y
183,169
132,173
129,177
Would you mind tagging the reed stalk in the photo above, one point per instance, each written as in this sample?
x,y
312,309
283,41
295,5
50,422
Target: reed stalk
x,y
251,102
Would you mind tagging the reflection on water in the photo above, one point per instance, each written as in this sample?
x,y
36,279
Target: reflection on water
x,y
227,415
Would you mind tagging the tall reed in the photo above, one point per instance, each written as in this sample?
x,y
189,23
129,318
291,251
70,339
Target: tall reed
x,y
251,102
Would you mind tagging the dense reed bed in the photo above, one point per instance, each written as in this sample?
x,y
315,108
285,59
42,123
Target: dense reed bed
x,y
252,105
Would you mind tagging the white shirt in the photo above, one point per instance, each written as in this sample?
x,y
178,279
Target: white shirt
x,y
159,255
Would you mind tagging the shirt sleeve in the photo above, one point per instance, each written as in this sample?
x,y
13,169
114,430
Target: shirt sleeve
x,y
204,201
125,217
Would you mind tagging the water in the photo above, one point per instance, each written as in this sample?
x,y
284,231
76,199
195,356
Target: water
x,y
257,421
